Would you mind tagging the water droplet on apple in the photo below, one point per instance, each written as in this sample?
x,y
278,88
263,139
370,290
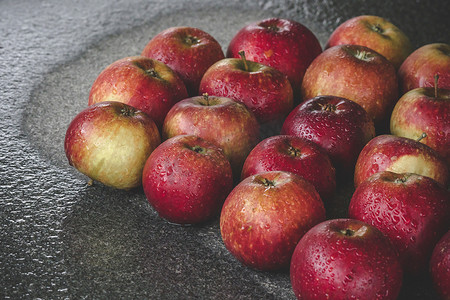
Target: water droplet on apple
x,y
169,171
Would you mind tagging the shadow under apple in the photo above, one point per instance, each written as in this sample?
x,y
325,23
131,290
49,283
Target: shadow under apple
x,y
116,244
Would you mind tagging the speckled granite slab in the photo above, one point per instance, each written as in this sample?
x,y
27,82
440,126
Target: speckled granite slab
x,y
59,237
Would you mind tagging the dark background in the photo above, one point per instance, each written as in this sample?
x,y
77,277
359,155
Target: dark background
x,y
59,237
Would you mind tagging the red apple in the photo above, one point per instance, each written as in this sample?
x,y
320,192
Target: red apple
x,y
265,215
424,110
375,33
188,51
286,45
340,126
345,259
440,267
412,210
420,67
110,142
293,154
144,83
264,90
356,73
186,179
223,121
400,155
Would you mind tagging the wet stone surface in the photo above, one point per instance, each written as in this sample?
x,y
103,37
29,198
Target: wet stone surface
x,y
59,237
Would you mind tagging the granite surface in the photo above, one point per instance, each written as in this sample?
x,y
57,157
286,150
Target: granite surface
x,y
59,237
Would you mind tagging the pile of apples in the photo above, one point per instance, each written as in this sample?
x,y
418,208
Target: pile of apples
x,y
262,136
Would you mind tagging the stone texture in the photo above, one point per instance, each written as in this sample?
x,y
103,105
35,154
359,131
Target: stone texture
x,y
59,237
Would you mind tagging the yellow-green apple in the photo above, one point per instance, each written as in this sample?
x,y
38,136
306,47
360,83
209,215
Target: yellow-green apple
x,y
110,142
376,33
293,154
357,73
143,83
186,179
424,110
440,266
286,45
221,120
420,67
189,51
265,215
340,126
345,259
263,89
400,155
412,210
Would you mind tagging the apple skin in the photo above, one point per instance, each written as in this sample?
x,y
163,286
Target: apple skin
x,y
340,126
345,259
440,266
417,112
283,44
356,73
189,51
221,120
186,179
293,154
263,89
265,215
412,210
400,155
376,33
110,142
420,67
144,83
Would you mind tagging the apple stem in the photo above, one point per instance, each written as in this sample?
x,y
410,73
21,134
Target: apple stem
x,y
127,111
294,151
267,182
377,28
403,178
421,137
242,55
436,78
191,40
152,73
206,97
328,107
362,55
351,232
347,232
198,149
264,181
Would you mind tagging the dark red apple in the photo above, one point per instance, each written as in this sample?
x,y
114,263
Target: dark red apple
x,y
345,259
286,45
186,179
376,33
265,215
420,67
223,121
424,110
440,267
356,73
293,154
110,142
263,89
188,51
412,210
400,155
340,126
144,83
